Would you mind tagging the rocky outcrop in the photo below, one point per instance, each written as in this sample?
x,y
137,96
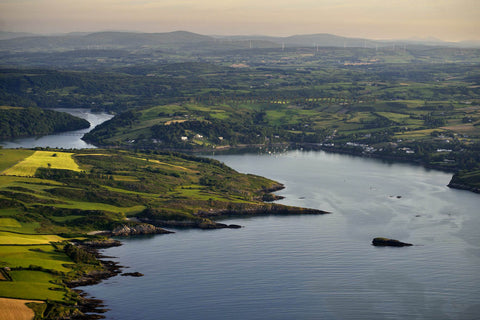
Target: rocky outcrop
x,y
132,274
201,224
101,244
462,186
270,197
386,242
138,229
256,210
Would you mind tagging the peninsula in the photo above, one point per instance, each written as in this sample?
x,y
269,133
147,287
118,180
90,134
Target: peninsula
x,y
57,207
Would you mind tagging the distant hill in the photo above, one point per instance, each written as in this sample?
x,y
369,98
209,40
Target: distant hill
x,y
102,40
21,42
330,40
310,40
4,35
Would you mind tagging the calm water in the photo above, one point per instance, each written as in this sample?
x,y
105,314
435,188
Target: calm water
x,y
315,267
68,140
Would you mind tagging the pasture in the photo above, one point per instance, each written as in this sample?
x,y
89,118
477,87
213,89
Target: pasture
x,y
10,238
35,285
10,157
44,256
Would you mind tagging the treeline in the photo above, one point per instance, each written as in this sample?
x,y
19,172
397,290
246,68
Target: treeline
x,y
18,122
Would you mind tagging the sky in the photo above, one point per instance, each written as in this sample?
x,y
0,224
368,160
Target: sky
x,y
450,20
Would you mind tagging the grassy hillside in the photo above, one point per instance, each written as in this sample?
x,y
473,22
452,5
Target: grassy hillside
x,y
88,190
442,134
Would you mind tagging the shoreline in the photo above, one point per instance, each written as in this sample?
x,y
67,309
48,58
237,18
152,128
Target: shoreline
x,y
93,308
318,147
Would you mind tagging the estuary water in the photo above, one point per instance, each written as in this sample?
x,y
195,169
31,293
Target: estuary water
x,y
66,140
315,267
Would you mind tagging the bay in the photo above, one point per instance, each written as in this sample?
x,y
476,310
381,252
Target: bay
x,y
315,267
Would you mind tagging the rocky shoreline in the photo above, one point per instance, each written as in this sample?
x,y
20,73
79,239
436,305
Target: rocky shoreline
x,y
92,308
460,186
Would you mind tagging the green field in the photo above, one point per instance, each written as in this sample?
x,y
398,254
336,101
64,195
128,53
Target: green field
x,y
44,256
9,238
9,158
35,285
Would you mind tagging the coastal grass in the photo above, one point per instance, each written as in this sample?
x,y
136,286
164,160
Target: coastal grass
x,y
44,256
471,178
32,285
11,238
43,159
84,205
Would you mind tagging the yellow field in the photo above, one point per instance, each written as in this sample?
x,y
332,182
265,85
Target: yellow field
x,y
17,238
42,159
15,309
416,133
174,121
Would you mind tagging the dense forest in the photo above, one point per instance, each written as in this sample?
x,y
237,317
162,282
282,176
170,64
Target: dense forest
x,y
20,122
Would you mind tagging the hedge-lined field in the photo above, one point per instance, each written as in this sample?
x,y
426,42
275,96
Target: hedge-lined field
x,y
42,159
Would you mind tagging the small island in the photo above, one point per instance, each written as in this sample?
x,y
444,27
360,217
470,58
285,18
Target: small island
x,y
386,242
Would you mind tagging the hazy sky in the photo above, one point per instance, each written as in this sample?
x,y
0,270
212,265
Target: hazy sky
x,y
379,19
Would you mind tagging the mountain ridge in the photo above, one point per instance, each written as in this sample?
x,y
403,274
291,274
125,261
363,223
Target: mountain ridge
x,y
176,39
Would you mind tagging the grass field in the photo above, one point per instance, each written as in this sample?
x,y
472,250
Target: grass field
x,y
9,223
9,157
44,256
9,238
44,159
33,285
417,134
